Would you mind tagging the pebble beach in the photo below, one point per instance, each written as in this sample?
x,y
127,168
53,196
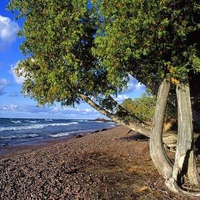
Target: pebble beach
x,y
108,165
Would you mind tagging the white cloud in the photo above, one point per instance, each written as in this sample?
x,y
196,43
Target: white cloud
x,y
121,97
139,86
18,80
8,30
48,112
11,107
134,86
134,89
74,111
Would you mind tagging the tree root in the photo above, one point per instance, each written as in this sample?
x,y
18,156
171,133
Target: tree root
x,y
185,190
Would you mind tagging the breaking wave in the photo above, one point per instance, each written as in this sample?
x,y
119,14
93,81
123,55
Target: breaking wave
x,y
19,136
35,126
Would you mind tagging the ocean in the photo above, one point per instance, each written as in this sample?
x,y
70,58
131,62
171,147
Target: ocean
x,y
16,131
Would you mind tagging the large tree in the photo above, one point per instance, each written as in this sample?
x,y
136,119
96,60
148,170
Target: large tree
x,y
158,43
79,50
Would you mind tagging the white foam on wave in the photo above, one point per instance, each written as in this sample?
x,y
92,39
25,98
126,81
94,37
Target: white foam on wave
x,y
35,126
83,120
63,124
62,134
59,135
20,136
16,122
49,120
18,128
32,121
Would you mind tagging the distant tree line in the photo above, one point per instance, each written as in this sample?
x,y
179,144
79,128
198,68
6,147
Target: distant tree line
x,y
144,106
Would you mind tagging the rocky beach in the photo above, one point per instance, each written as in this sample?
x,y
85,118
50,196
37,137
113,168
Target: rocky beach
x,y
113,164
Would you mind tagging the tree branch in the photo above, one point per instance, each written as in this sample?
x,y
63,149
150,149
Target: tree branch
x,y
128,114
130,124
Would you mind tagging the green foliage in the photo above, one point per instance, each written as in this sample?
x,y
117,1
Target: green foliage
x,y
74,49
58,37
144,107
148,38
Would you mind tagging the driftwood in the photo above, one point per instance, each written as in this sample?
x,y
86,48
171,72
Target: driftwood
x,y
169,123
170,139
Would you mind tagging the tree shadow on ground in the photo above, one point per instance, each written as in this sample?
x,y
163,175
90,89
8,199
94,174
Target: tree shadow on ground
x,y
136,137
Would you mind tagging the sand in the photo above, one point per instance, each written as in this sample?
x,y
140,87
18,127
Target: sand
x,y
108,165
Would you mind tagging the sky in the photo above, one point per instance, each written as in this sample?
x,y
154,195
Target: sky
x,y
12,102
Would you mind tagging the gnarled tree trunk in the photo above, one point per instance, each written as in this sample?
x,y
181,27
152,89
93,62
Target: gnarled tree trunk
x,y
157,150
184,159
185,163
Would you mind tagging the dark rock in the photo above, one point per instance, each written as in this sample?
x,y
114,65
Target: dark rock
x,y
101,120
79,136
95,131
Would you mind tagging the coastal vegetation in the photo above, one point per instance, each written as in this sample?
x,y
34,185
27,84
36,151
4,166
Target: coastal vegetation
x,y
83,50
144,107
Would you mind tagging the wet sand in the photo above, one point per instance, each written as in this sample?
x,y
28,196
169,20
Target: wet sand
x,y
108,165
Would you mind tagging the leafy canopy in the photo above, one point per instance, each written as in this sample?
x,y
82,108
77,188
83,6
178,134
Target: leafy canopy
x,y
149,39
58,37
72,48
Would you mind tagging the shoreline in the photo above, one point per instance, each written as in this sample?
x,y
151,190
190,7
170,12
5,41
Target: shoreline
x,y
25,131
9,150
110,164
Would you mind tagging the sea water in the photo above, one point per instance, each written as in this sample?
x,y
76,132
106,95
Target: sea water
x,y
16,131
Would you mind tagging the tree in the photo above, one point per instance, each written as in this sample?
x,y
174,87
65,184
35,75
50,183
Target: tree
x,y
142,107
78,52
60,65
160,46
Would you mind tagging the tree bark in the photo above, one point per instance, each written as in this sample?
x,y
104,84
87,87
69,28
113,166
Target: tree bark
x,y
184,158
193,174
169,123
157,150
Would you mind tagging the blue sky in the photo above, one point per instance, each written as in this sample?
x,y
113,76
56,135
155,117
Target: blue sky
x,y
12,102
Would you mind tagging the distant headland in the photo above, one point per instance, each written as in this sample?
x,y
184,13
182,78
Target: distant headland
x,y
101,120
